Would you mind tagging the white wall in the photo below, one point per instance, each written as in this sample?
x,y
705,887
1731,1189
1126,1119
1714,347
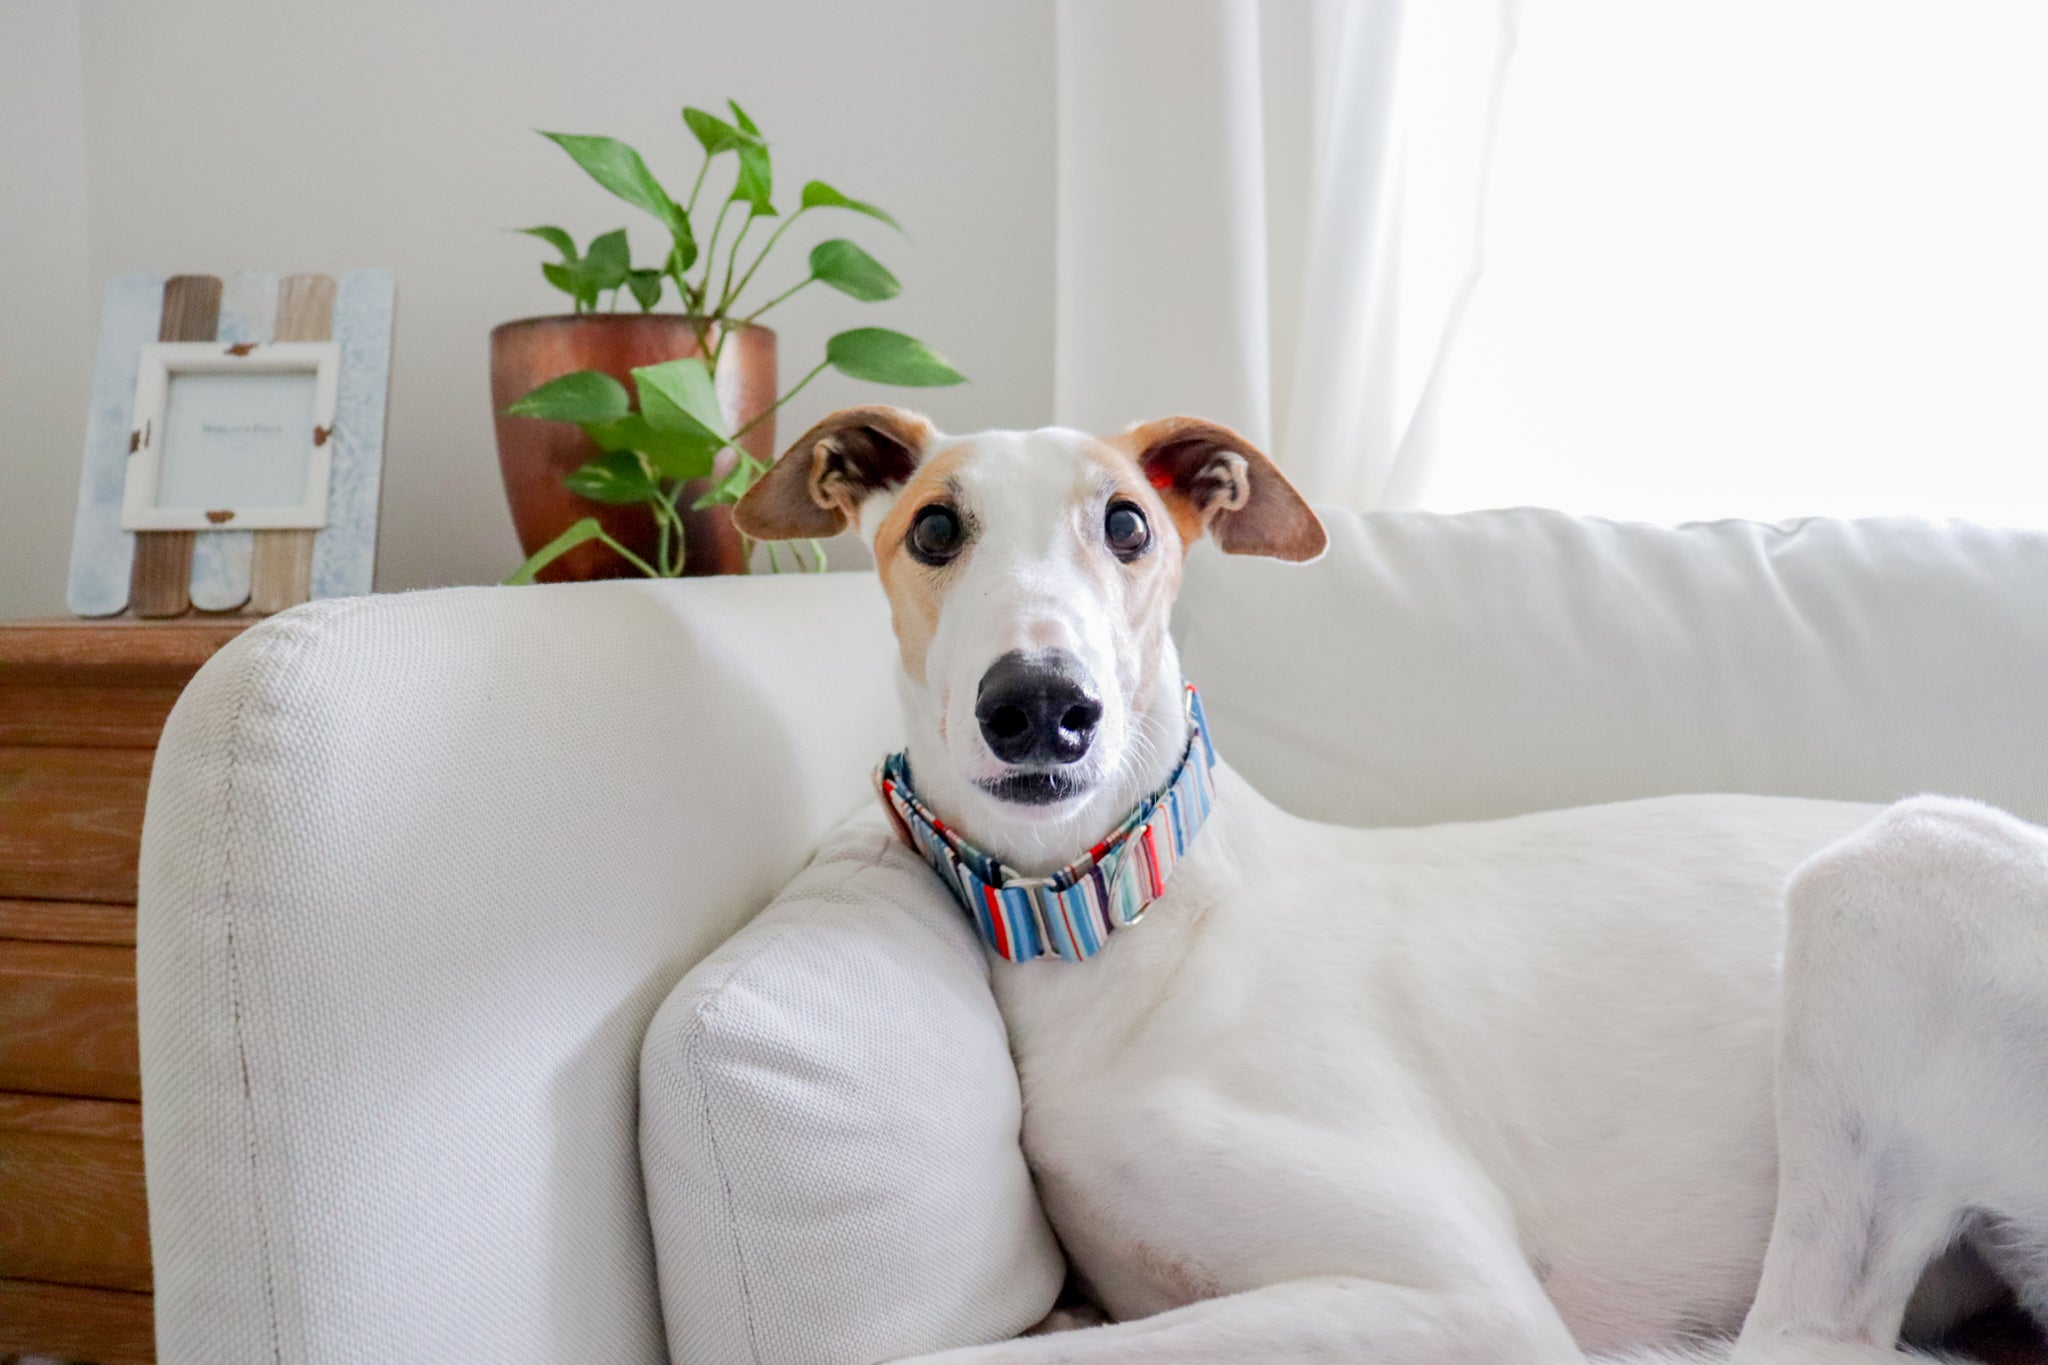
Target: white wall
x,y
238,133
48,305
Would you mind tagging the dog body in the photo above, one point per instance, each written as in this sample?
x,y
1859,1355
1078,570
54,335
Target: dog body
x,y
1533,1054
1511,1091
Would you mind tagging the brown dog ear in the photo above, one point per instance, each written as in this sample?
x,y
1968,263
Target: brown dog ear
x,y
816,489
1215,480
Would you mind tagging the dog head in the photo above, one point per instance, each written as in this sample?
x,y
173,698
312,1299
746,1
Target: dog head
x,y
1031,575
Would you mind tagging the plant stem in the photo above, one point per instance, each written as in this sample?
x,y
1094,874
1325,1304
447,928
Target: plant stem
x,y
748,320
769,410
675,272
635,560
691,207
701,327
775,237
725,294
711,252
675,495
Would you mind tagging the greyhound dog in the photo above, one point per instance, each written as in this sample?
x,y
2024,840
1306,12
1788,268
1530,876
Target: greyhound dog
x,y
1583,1083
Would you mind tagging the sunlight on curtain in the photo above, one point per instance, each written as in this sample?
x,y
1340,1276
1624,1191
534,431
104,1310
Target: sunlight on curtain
x,y
1761,258
1268,216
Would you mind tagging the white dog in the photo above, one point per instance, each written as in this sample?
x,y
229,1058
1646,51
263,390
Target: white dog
x,y
1587,1081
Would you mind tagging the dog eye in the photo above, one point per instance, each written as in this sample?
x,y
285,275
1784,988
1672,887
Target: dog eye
x,y
935,535
1126,531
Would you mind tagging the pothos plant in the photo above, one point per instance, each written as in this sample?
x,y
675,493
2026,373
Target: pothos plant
x,y
674,433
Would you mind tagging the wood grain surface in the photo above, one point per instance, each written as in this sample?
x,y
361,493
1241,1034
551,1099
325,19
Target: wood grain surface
x,y
96,684
177,646
67,922
46,711
71,822
281,562
67,1019
71,1197
162,577
108,1326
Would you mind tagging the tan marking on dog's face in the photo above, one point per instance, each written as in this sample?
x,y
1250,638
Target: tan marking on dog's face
x,y
1183,516
1034,580
916,591
1221,485
1036,574
1149,584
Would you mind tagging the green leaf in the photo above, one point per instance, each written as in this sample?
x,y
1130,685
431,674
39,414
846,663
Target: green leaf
x,y
756,180
618,477
558,275
733,486
881,356
554,237
674,454
850,270
681,256
584,530
607,263
819,195
715,133
755,183
584,396
617,167
646,286
678,395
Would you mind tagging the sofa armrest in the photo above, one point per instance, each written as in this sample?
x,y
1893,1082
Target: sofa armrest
x,y
416,872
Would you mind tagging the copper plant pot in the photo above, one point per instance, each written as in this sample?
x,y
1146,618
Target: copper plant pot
x,y
535,456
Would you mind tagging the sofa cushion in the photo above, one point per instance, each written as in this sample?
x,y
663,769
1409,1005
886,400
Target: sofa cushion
x,y
829,1129
1434,668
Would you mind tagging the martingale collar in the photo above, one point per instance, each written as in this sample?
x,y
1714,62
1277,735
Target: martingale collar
x,y
1071,913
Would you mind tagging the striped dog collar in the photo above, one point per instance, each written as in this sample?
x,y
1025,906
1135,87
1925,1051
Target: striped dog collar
x,y
1071,913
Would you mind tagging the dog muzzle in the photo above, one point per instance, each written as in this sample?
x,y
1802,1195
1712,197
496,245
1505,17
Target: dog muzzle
x,y
1071,913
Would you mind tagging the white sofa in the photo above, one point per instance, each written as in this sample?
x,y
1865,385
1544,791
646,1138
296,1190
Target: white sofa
x,y
418,869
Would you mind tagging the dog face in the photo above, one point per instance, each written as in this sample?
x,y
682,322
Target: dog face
x,y
1031,576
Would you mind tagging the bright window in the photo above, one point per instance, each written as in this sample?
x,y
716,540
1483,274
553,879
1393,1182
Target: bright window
x,y
1761,258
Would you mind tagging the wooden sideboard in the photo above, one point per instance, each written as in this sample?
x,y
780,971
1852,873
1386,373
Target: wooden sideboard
x,y
81,706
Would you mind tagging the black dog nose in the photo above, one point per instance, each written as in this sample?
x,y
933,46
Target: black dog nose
x,y
1037,708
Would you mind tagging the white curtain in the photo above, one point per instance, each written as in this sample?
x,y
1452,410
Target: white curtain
x,y
1268,215
1762,258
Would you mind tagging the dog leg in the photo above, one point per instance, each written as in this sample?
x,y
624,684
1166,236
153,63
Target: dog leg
x,y
1330,1319
1912,1076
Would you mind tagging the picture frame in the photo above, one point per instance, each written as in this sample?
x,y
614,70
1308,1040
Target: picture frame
x,y
233,531
231,437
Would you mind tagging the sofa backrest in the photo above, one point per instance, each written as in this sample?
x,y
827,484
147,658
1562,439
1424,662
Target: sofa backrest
x,y
1434,668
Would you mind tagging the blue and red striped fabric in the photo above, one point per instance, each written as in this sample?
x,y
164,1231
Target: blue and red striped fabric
x,y
1071,913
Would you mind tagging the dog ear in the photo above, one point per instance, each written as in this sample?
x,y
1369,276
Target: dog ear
x,y
1216,481
816,489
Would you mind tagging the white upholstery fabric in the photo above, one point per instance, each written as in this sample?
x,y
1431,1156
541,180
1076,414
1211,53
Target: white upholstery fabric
x,y
416,873
1437,668
828,1126
418,870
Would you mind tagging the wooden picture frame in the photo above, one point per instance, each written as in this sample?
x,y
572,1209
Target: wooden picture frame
x,y
238,564
245,453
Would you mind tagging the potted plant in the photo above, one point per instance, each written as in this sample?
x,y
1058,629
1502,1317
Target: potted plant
x,y
625,438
